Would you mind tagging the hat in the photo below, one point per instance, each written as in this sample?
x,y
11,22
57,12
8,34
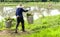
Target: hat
x,y
20,6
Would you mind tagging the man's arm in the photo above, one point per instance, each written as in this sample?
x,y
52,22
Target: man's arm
x,y
25,10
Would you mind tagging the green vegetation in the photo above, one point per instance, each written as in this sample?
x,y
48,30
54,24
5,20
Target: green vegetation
x,y
29,4
42,27
29,0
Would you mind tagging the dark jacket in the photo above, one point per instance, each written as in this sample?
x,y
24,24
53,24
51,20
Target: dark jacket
x,y
19,12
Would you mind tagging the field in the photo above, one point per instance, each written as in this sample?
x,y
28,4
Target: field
x,y
43,27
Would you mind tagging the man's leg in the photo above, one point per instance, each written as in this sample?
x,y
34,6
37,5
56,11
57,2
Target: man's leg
x,y
16,27
23,27
18,21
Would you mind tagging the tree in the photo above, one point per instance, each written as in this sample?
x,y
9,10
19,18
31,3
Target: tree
x,y
1,0
44,0
55,0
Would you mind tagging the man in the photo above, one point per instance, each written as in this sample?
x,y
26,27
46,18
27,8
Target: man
x,y
19,15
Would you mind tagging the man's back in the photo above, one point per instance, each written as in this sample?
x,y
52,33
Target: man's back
x,y
19,11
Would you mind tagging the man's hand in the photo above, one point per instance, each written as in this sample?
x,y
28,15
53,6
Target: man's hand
x,y
28,9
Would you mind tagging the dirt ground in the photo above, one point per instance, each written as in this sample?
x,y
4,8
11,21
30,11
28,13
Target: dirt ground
x,y
10,32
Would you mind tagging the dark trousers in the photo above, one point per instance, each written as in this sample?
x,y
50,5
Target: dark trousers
x,y
20,20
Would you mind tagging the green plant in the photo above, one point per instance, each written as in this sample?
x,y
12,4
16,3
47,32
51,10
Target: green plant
x,y
29,14
9,19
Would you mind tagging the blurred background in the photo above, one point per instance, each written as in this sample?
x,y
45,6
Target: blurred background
x,y
45,20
